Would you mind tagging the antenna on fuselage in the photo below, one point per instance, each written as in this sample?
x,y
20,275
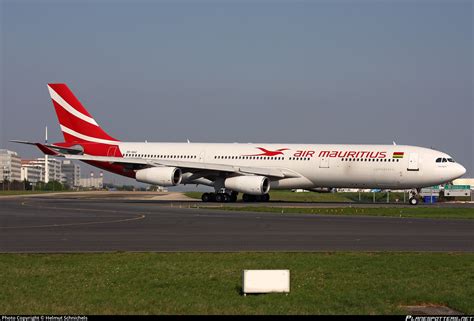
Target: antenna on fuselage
x,y
394,144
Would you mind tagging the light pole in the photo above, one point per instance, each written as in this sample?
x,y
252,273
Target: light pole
x,y
5,177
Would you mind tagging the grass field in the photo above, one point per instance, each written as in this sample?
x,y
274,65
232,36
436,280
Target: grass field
x,y
209,283
288,196
415,212
295,197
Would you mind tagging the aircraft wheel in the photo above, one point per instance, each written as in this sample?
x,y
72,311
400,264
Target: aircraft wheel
x,y
413,201
266,197
220,198
248,198
206,197
212,197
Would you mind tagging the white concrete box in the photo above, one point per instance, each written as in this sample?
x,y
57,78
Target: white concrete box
x,y
265,281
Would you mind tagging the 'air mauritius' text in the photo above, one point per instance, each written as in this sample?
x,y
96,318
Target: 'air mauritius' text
x,y
352,154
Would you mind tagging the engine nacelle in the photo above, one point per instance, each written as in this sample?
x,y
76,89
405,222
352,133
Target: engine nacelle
x,y
163,176
254,185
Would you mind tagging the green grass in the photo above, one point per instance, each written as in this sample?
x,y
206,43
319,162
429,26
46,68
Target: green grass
x,y
288,196
415,212
209,283
195,195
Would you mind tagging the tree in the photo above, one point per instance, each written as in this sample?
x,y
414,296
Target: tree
x,y
53,186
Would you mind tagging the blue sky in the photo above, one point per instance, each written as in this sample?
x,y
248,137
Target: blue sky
x,y
263,71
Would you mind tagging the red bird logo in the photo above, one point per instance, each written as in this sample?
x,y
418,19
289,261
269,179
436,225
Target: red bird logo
x,y
267,152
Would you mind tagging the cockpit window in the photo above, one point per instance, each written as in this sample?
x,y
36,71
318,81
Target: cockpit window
x,y
444,160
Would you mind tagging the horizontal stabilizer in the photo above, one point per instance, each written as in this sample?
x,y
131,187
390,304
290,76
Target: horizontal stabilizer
x,y
50,149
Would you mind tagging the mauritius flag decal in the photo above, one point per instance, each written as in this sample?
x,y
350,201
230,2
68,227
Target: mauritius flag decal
x,y
398,154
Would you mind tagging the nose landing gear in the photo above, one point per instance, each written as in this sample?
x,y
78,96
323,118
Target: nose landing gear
x,y
414,197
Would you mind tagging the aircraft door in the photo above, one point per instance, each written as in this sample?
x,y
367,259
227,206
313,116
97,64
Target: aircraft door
x,y
202,157
413,162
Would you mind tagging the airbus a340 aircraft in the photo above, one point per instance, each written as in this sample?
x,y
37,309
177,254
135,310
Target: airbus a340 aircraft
x,y
251,169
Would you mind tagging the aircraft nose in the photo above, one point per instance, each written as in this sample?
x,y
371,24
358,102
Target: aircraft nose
x,y
460,170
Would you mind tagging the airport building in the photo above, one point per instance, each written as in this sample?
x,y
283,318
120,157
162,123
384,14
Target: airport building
x,y
13,168
54,169
93,182
66,172
72,173
464,181
10,166
30,172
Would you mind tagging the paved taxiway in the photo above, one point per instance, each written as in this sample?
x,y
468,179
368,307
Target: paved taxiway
x,y
49,224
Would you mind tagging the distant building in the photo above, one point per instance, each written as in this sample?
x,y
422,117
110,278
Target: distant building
x,y
464,181
10,166
93,182
72,173
30,172
54,169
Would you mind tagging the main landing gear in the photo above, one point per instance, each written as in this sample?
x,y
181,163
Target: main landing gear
x,y
232,197
219,197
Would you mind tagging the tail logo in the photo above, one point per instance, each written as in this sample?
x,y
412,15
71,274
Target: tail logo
x,y
266,152
77,124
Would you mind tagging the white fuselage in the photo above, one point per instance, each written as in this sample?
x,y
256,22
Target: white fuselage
x,y
357,166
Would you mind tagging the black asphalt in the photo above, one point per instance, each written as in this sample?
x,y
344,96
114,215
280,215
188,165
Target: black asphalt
x,y
88,225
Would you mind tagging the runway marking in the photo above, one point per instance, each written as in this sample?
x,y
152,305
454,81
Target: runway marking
x,y
139,217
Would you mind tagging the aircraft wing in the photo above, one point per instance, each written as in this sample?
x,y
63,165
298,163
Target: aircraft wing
x,y
190,166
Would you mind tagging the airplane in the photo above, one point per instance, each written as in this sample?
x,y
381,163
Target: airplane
x,y
251,169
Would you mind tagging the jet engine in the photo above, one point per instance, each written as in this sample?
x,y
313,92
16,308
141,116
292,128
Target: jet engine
x,y
163,176
253,185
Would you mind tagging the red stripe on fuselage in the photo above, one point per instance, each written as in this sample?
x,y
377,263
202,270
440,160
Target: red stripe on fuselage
x,y
114,168
107,150
97,149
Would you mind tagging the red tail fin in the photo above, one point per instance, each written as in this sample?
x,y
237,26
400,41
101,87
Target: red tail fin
x,y
76,123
